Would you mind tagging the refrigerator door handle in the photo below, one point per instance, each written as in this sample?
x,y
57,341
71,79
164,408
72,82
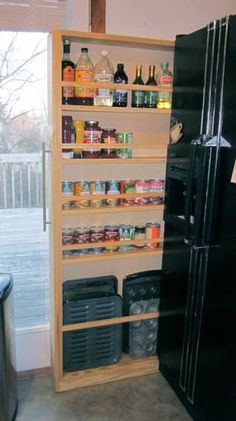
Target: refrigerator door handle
x,y
189,190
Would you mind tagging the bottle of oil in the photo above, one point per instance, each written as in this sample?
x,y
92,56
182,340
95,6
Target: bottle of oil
x,y
84,72
164,80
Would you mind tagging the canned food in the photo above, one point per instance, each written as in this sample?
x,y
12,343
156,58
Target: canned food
x,y
112,187
97,187
126,232
67,187
128,186
141,186
125,138
156,185
96,234
81,235
81,188
68,205
152,232
111,235
67,236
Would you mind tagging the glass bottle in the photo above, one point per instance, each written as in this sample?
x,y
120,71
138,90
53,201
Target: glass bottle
x,y
151,96
120,95
138,96
68,74
84,72
164,80
104,72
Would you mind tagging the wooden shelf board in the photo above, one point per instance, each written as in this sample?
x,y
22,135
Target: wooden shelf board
x,y
82,197
112,255
134,160
110,85
109,322
124,369
112,243
86,146
115,209
93,108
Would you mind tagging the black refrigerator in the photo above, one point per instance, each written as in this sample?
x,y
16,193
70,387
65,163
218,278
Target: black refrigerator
x,y
197,324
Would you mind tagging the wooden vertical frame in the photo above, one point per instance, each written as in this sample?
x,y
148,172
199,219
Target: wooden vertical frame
x,y
98,15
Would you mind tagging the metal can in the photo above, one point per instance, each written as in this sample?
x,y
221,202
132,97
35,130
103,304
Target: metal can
x,y
67,187
156,185
81,235
125,138
152,232
111,235
96,234
68,205
126,233
97,187
81,188
128,186
141,186
112,187
67,236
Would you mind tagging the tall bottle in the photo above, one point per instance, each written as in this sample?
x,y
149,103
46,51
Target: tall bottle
x,y
104,72
68,74
151,96
138,96
120,96
164,80
84,72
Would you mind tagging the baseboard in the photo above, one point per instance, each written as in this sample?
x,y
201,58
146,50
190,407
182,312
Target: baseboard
x,y
37,372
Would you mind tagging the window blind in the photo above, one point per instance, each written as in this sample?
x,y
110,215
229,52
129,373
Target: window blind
x,y
32,15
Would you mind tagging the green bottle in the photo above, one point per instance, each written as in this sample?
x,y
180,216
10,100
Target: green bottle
x,y
138,95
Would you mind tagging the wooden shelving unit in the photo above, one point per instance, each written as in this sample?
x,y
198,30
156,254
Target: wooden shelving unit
x,y
150,137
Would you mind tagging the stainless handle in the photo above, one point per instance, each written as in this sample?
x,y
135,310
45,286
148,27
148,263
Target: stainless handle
x,y
44,151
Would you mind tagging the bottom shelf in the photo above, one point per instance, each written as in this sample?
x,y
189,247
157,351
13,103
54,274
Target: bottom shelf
x,y
127,367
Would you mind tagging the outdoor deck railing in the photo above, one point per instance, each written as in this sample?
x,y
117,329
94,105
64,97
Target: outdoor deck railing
x,y
20,181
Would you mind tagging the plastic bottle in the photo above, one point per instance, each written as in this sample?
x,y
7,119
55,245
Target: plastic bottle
x,y
104,72
164,80
150,100
84,72
120,95
138,96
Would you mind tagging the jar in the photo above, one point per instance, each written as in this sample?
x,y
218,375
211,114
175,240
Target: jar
x,y
92,135
139,234
109,137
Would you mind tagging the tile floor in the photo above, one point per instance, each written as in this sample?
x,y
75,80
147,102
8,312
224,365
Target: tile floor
x,y
139,399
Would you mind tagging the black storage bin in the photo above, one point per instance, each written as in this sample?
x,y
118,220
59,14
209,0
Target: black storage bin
x,y
8,394
86,300
141,289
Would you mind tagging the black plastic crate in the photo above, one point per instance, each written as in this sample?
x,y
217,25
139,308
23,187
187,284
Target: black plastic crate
x,y
100,286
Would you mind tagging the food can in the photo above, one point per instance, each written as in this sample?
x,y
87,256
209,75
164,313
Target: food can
x,y
67,187
67,236
152,232
97,187
112,187
141,186
156,185
125,138
81,235
128,186
68,205
126,233
96,234
111,235
81,188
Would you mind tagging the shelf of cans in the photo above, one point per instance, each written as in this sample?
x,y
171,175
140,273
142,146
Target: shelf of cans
x,y
83,240
99,193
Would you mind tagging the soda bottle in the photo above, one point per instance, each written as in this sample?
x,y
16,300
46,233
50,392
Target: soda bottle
x,y
150,100
164,80
68,74
84,72
104,72
120,95
138,95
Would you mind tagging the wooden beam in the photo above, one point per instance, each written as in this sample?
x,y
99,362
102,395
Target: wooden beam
x,y
98,15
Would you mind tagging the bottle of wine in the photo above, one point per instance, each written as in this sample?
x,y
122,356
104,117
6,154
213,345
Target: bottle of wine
x,y
68,74
150,100
138,95
120,95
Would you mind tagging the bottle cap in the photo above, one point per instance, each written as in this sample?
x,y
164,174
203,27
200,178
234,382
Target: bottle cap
x,y
84,50
104,52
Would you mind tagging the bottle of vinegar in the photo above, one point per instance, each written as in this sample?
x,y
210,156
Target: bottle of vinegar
x,y
120,95
138,95
84,72
151,96
68,74
164,80
104,72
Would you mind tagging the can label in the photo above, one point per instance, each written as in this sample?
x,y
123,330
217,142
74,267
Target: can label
x,y
112,187
152,232
67,187
128,186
